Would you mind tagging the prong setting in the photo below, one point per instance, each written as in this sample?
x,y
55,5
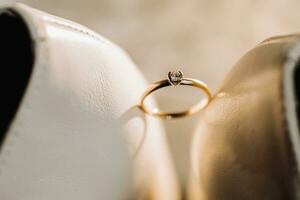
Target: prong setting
x,y
175,77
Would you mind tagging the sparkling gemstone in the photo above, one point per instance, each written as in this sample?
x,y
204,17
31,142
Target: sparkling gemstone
x,y
175,77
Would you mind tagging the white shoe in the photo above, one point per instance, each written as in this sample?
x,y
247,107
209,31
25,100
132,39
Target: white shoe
x,y
66,88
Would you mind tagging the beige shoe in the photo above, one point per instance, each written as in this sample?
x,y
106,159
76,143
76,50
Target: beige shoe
x,y
247,145
64,89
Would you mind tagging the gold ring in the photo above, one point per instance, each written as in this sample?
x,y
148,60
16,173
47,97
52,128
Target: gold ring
x,y
175,78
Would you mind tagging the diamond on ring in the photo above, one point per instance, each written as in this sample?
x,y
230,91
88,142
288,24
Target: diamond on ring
x,y
175,77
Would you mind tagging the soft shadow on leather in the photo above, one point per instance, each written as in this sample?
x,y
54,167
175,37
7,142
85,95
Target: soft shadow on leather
x,y
135,113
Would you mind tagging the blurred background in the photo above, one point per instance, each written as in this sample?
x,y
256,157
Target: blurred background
x,y
203,38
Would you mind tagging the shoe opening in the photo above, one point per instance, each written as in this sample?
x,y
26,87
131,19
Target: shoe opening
x,y
17,57
291,96
296,80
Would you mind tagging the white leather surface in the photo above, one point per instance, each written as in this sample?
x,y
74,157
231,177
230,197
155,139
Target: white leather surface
x,y
65,141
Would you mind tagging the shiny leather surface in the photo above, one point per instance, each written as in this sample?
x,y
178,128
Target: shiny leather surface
x,y
66,140
242,147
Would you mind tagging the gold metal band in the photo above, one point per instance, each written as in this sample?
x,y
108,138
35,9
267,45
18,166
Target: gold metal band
x,y
175,79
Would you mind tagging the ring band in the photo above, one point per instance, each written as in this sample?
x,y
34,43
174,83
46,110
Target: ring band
x,y
175,78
